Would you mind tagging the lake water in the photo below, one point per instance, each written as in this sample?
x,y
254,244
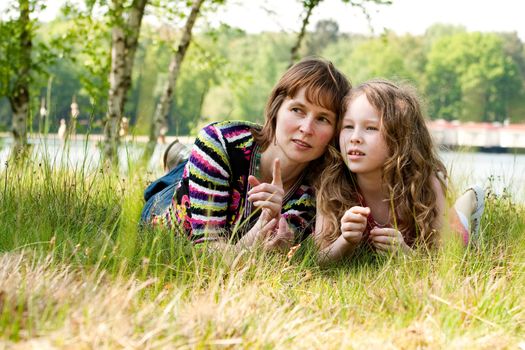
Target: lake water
x,y
77,154
502,170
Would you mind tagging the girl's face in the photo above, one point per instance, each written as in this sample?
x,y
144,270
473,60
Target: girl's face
x,y
362,144
303,130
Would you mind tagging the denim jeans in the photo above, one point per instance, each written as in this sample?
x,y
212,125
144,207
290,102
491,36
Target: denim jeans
x,y
159,194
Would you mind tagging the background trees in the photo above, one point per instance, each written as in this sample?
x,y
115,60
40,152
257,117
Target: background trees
x,y
469,76
160,118
126,20
16,69
22,58
228,74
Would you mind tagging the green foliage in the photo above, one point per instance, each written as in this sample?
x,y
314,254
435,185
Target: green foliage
x,y
469,77
47,48
378,57
326,32
228,73
201,71
249,75
260,67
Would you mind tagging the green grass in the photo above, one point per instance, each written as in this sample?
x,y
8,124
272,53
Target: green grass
x,y
75,272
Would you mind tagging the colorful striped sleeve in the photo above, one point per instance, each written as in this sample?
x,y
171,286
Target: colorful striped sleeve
x,y
209,175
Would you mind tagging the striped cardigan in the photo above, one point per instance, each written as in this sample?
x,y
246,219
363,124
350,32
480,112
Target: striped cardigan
x,y
211,198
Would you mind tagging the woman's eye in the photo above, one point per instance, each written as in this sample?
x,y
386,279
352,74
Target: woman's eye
x,y
324,120
296,110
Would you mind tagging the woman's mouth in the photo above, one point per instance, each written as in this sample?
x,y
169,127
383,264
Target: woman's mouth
x,y
301,144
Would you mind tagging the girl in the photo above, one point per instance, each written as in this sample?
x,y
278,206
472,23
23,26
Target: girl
x,y
389,191
237,167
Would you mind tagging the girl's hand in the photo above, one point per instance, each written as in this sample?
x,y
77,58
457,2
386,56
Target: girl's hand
x,y
353,224
268,197
388,240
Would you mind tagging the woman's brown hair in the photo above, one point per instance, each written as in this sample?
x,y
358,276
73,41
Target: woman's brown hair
x,y
324,85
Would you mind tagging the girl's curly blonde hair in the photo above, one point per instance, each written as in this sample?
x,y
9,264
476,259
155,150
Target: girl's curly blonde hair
x,y
408,171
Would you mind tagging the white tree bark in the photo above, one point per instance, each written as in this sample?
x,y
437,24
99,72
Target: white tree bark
x,y
19,96
124,42
20,107
163,106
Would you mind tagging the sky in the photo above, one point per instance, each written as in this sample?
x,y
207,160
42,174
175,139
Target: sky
x,y
403,16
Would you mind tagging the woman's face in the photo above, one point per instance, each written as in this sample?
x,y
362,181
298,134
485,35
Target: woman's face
x,y
303,130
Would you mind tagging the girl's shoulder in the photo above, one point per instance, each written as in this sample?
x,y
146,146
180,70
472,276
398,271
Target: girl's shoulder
x,y
439,186
439,182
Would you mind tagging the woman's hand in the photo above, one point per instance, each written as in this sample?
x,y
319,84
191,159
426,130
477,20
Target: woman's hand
x,y
388,240
260,232
353,224
268,197
282,239
269,233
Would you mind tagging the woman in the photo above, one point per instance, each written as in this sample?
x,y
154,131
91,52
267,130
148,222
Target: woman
x,y
245,184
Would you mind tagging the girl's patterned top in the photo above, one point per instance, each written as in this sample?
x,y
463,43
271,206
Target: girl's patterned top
x,y
212,197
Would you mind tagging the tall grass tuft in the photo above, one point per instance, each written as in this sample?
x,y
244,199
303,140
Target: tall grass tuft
x,y
77,272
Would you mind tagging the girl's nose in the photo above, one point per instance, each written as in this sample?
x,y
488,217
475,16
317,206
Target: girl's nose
x,y
355,137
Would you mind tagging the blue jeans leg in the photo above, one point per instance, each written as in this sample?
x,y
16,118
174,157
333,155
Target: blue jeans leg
x,y
159,194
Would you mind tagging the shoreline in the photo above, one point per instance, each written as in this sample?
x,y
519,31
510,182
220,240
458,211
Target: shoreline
x,y
100,137
189,140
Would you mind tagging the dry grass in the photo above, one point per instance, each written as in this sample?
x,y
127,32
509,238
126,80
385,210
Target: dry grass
x,y
49,304
76,273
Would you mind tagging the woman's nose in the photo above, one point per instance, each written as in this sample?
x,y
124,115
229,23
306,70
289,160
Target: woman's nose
x,y
306,125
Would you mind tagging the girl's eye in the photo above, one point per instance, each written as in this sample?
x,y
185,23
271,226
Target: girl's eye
x,y
348,127
372,128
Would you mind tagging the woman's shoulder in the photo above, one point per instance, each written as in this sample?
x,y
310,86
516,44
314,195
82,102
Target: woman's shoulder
x,y
232,138
232,126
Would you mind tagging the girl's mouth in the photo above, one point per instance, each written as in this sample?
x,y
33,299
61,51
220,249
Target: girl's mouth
x,y
355,153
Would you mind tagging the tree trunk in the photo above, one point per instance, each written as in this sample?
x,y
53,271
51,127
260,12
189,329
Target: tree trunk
x,y
162,110
20,106
309,6
19,97
124,44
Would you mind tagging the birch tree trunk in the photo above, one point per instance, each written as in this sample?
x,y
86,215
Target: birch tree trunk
x,y
19,97
309,6
163,106
124,42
